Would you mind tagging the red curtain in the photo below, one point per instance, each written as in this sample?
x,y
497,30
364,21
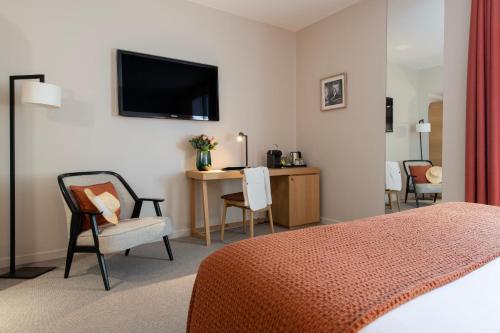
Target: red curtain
x,y
482,166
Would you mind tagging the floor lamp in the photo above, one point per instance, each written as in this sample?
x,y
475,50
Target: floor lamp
x,y
422,127
32,92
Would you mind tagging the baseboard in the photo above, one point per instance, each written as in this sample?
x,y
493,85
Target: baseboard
x,y
327,220
61,253
180,233
34,257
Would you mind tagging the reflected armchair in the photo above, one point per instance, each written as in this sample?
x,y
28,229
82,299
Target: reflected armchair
x,y
419,188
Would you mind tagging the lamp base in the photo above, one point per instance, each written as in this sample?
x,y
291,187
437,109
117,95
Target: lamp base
x,y
26,273
233,168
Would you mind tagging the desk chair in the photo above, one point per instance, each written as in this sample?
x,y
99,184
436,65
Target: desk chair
x,y
256,197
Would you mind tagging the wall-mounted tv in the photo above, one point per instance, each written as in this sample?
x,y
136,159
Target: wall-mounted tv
x,y
389,105
157,87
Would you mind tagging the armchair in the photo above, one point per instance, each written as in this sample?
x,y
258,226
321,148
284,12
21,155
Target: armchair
x,y
105,239
416,188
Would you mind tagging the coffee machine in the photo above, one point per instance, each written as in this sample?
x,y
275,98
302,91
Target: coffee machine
x,y
274,158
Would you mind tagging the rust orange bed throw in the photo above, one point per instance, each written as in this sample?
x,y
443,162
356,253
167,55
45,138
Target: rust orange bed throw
x,y
339,278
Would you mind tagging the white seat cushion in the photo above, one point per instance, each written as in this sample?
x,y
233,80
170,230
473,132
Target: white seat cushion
x,y
127,234
428,188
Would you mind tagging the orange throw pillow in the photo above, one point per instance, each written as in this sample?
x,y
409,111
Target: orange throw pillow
x,y
419,172
85,204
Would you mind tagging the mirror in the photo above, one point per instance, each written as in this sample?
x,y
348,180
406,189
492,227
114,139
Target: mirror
x,y
414,109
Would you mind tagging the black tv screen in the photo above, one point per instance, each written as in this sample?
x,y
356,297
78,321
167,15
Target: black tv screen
x,y
389,104
156,87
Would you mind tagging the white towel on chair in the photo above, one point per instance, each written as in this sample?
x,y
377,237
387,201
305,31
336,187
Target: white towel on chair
x,y
257,188
392,176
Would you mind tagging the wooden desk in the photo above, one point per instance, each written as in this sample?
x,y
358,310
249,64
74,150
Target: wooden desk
x,y
295,194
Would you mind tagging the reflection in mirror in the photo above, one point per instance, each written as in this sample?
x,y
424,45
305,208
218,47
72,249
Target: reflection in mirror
x,y
414,110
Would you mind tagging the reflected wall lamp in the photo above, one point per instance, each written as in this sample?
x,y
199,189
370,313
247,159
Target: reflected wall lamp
x,y
32,92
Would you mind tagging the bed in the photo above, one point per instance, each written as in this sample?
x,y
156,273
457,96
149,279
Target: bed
x,y
432,269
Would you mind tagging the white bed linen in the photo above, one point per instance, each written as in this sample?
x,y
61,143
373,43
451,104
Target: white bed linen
x,y
468,305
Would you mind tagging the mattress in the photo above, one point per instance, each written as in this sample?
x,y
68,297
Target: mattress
x,y
469,304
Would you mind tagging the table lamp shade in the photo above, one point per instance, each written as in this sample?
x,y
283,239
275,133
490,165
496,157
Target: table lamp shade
x,y
41,93
423,128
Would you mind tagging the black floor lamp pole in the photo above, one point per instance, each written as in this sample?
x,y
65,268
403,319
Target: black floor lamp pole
x,y
421,154
421,121
25,272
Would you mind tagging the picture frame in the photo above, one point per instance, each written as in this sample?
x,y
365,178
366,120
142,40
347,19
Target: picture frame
x,y
334,92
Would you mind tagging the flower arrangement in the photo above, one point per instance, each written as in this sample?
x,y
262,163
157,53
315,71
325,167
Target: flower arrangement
x,y
203,143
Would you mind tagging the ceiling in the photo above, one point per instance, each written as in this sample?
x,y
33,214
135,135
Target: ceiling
x,y
288,14
415,33
415,28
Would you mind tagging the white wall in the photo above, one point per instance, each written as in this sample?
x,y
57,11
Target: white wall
x,y
74,43
349,144
412,91
456,32
431,86
431,90
403,85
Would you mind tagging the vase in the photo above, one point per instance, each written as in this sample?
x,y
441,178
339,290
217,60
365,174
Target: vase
x,y
203,160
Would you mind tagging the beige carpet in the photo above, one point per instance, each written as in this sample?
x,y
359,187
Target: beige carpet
x,y
411,204
149,293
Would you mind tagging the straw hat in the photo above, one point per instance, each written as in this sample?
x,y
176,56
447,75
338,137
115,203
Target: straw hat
x,y
434,175
105,202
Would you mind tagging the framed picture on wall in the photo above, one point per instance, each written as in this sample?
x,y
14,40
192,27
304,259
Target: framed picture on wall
x,y
333,92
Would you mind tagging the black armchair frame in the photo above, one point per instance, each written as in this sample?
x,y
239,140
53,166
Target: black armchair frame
x,y
76,222
409,176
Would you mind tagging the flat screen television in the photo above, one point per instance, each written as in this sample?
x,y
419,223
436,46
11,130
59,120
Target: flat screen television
x,y
389,104
157,87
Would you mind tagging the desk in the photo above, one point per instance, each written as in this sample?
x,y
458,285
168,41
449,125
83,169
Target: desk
x,y
295,193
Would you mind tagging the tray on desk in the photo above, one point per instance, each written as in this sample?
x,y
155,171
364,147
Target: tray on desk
x,y
292,166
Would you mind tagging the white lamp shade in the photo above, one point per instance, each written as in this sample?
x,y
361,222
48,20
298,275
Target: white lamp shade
x,y
423,128
41,93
